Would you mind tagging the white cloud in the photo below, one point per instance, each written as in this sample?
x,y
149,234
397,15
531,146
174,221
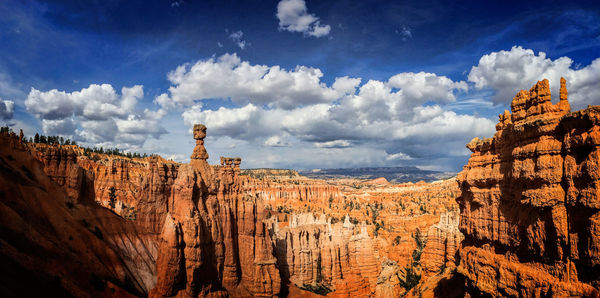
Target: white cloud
x,y
228,77
333,144
7,108
96,114
405,116
398,156
294,17
411,118
97,102
276,141
237,38
507,72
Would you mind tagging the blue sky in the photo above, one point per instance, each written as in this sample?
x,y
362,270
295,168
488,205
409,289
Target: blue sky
x,y
289,84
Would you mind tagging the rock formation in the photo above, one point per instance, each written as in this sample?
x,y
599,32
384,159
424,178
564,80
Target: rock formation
x,y
443,242
53,242
313,253
213,240
352,237
529,203
185,230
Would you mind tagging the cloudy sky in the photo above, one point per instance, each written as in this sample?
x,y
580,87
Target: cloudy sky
x,y
290,83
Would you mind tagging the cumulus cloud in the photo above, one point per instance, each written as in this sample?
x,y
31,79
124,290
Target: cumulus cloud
x,y
96,114
294,17
227,77
7,108
403,116
333,144
237,38
276,141
509,71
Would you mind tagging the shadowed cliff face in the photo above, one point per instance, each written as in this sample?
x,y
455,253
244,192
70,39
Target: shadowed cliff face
x,y
159,227
60,243
529,201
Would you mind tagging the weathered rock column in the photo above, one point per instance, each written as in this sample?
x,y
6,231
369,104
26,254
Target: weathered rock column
x,y
199,155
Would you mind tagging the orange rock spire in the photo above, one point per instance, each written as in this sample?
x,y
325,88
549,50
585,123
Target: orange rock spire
x,y
199,135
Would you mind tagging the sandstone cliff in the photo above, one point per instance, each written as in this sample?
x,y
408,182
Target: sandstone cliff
x,y
53,245
214,241
529,204
185,230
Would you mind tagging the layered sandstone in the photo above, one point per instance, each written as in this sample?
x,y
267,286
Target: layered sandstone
x,y
443,243
529,201
214,241
354,237
53,243
184,230
133,188
339,258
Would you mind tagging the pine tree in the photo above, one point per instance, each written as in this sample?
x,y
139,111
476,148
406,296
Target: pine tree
x,y
36,139
112,196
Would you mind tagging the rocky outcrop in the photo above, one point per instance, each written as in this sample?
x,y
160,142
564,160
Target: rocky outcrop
x,y
199,230
214,241
443,242
60,164
530,204
185,230
133,188
314,254
54,245
280,193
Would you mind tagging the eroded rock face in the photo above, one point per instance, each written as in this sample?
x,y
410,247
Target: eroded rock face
x,y
530,201
443,242
355,237
202,235
214,241
339,257
52,242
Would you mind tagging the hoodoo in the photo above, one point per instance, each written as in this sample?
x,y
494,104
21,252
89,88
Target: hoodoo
x,y
530,201
213,241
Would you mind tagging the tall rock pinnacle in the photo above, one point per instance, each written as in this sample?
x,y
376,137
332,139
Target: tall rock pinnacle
x,y
199,156
199,135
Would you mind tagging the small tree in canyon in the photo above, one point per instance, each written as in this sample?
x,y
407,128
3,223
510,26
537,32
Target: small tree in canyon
x,y
112,196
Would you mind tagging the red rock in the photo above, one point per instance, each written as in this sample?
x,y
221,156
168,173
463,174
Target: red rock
x,y
54,246
529,201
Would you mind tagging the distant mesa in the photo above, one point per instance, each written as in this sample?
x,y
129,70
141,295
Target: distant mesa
x,y
391,174
378,181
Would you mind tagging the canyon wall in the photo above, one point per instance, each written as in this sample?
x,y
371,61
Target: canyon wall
x,y
530,201
61,243
178,229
